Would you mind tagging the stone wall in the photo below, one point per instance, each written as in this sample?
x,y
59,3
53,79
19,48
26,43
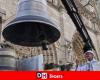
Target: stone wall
x,y
62,51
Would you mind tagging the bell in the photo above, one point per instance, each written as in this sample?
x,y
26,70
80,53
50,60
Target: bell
x,y
7,58
31,27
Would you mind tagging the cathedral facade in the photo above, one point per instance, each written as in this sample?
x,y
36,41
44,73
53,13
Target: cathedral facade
x,y
70,45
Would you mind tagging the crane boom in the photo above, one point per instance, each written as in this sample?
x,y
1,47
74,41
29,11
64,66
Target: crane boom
x,y
74,15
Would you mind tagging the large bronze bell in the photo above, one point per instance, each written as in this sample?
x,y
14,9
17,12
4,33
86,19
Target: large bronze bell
x,y
7,58
32,26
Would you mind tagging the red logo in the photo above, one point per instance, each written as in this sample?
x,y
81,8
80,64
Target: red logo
x,y
41,75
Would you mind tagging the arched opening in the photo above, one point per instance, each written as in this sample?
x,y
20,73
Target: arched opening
x,y
78,48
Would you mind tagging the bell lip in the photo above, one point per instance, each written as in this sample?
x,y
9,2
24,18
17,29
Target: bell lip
x,y
31,18
29,21
38,21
